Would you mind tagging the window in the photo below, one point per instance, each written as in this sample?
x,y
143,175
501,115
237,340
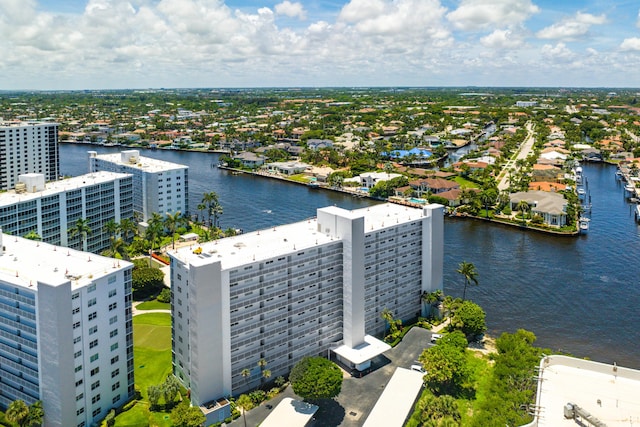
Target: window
x,y
79,397
95,371
115,359
115,399
93,330
96,411
113,320
95,398
112,292
95,385
80,411
93,315
75,295
77,354
91,287
79,368
79,382
113,333
76,325
114,346
113,306
76,310
93,344
115,373
76,340
93,357
91,302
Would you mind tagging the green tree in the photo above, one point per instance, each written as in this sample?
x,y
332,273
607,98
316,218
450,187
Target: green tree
x,y
155,393
128,227
36,414
387,316
470,319
470,274
154,231
18,413
112,228
446,366
184,415
82,229
438,410
523,207
488,198
33,235
316,378
209,200
147,280
170,389
244,403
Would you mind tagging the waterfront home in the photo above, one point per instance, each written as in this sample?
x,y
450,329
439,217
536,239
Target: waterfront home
x,y
550,206
547,186
423,187
249,159
370,179
287,168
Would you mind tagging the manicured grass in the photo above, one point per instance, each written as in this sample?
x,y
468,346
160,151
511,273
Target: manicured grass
x,y
480,377
153,319
465,183
154,305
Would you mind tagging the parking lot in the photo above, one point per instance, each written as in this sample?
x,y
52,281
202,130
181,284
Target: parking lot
x,y
358,395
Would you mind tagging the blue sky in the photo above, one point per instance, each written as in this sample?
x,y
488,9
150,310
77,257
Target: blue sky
x,y
95,44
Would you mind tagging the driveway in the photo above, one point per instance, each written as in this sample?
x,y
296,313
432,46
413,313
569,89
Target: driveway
x,y
358,395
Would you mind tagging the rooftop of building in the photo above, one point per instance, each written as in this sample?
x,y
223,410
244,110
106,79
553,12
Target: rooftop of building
x,y
608,392
26,262
146,164
265,244
15,124
55,187
291,413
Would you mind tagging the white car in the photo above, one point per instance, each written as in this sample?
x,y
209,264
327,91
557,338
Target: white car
x,y
418,368
435,337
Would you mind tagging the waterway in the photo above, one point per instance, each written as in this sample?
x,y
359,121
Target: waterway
x,y
577,294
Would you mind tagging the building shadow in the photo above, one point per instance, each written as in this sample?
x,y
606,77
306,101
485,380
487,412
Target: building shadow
x,y
330,413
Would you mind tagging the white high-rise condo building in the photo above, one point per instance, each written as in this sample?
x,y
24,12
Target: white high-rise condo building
x,y
28,147
51,209
302,289
159,186
65,331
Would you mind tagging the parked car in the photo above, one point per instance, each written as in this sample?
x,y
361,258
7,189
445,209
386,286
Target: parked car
x,y
418,368
435,337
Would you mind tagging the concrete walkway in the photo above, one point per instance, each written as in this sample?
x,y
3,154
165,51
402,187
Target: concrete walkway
x,y
135,311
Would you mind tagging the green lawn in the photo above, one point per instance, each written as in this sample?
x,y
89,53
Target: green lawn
x,y
465,183
152,364
154,305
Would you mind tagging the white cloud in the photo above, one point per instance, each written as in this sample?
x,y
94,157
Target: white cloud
x,y
503,39
481,14
558,53
292,10
631,44
572,28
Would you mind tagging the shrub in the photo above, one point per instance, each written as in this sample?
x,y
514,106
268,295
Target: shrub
x,y
165,295
147,280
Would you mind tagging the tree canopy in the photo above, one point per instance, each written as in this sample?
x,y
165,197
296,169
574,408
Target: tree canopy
x,y
469,318
446,366
316,378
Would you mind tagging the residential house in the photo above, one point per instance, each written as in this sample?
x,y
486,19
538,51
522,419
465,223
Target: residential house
x,y
424,187
249,159
552,207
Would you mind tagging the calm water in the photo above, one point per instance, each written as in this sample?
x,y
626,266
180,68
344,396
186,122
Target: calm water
x,y
579,295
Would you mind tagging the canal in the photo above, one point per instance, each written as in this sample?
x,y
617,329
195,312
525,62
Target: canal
x,y
577,294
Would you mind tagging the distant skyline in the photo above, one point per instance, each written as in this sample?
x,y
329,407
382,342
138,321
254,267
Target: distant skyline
x,y
122,44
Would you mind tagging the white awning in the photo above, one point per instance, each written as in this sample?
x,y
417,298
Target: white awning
x,y
371,348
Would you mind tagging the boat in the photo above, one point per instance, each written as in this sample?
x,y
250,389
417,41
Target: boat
x,y
313,184
619,174
631,189
583,224
638,213
581,192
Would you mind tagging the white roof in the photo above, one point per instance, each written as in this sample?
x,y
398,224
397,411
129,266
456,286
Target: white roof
x,y
55,187
285,239
395,402
290,413
584,383
146,164
25,262
371,348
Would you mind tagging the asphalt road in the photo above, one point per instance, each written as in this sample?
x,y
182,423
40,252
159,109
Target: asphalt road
x,y
358,396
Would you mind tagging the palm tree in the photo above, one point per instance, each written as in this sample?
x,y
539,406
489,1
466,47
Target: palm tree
x,y
432,299
216,211
246,373
468,270
18,413
523,207
111,227
153,231
387,315
245,404
82,229
201,207
128,226
266,374
487,198
209,199
171,223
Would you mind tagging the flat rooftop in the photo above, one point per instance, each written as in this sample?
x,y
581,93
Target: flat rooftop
x,y
397,398
15,124
265,244
146,164
371,348
609,393
290,413
55,187
25,262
